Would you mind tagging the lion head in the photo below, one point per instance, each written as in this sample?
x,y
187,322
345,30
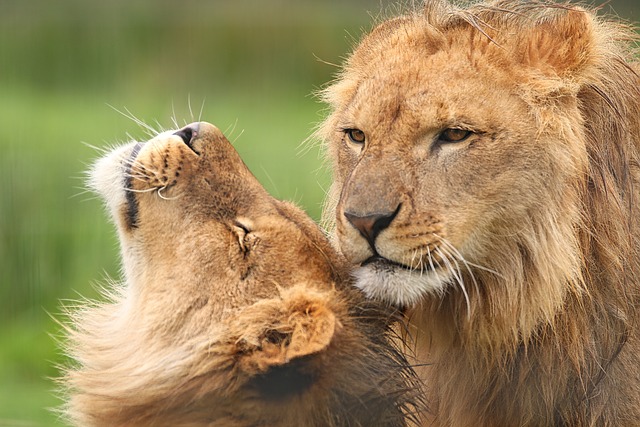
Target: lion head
x,y
486,179
234,311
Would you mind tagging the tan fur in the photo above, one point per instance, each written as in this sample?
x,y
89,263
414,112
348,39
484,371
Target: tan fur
x,y
235,310
516,250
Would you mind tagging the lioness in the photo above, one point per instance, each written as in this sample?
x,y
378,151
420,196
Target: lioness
x,y
487,179
235,310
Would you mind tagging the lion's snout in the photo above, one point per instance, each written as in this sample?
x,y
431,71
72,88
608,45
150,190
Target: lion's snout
x,y
371,225
188,134
196,135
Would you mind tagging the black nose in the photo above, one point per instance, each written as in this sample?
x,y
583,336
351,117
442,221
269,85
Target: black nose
x,y
371,225
188,133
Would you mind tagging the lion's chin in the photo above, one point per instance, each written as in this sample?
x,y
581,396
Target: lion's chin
x,y
398,286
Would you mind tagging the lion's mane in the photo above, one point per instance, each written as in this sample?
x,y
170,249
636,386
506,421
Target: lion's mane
x,y
550,336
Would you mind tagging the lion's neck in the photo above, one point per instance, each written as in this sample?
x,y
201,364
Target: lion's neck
x,y
497,374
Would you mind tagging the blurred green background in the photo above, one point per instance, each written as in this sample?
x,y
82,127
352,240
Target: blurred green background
x,y
248,66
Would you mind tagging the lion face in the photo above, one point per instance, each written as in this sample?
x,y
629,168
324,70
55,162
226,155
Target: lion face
x,y
235,306
442,152
186,199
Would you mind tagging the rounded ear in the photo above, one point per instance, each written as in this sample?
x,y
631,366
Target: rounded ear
x,y
560,45
277,331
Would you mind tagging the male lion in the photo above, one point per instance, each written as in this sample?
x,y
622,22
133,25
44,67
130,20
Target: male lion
x,y
235,309
487,176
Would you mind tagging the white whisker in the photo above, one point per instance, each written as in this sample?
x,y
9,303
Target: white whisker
x,y
149,130
456,254
236,138
138,171
433,268
271,181
136,165
165,197
231,128
469,263
141,178
174,119
101,150
413,258
456,274
159,126
189,103
488,270
133,190
83,192
201,110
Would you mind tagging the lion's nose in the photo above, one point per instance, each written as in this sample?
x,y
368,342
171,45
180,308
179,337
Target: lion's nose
x,y
189,133
371,225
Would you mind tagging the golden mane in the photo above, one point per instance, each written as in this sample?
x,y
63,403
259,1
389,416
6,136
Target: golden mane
x,y
553,326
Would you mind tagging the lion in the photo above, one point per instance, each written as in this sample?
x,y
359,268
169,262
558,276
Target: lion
x,y
234,311
487,181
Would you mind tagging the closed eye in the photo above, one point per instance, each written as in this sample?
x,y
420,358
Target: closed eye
x,y
245,228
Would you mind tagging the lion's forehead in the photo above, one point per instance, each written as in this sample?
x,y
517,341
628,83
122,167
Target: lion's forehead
x,y
411,70
431,94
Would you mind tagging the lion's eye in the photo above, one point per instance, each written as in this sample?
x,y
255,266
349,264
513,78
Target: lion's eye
x,y
355,135
454,135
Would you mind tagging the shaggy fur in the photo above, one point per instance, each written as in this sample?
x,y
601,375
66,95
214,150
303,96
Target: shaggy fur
x,y
235,310
486,178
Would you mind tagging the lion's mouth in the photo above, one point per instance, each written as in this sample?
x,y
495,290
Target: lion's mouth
x,y
385,263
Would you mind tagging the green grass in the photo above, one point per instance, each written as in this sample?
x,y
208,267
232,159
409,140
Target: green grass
x,y
27,391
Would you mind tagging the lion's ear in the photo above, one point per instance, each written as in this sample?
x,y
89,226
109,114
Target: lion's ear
x,y
560,45
279,331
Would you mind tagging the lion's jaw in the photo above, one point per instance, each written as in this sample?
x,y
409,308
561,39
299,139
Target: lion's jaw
x,y
398,286
120,179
